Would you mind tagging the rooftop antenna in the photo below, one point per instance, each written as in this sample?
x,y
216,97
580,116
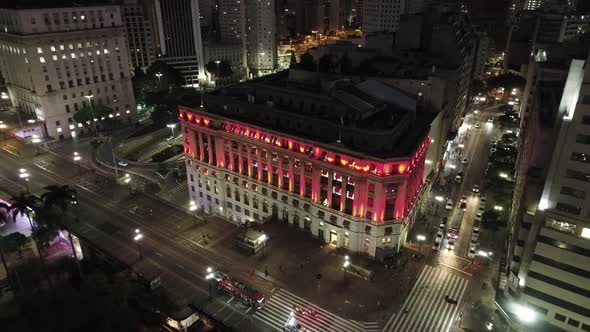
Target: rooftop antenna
x,y
339,140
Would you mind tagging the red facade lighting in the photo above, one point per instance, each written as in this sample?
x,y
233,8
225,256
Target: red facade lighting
x,y
343,162
401,168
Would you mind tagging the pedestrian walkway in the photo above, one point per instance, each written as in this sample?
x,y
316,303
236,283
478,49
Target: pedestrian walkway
x,y
425,309
278,308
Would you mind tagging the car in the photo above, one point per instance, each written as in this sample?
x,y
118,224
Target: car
x,y
480,209
476,229
438,238
476,188
451,244
449,205
442,227
463,199
474,241
443,220
453,233
218,275
471,253
493,149
464,161
122,163
477,126
491,119
482,200
478,217
458,178
494,144
463,206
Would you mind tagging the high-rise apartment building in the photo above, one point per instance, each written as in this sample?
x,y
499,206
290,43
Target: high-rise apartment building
x,y
382,15
180,32
139,22
549,274
282,152
54,59
261,37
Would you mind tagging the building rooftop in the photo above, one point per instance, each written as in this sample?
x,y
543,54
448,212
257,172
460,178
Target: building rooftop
x,y
40,4
372,119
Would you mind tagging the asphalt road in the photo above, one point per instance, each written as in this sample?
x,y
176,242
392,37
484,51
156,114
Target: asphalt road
x,y
102,206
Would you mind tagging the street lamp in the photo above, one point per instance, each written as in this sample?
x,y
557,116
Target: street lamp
x,y
89,97
171,126
137,238
193,208
208,277
2,127
36,140
159,76
345,265
217,62
524,313
24,174
420,239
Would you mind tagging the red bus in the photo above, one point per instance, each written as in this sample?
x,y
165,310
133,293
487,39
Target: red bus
x,y
242,292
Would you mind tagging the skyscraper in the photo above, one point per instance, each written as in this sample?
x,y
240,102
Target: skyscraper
x,y
261,37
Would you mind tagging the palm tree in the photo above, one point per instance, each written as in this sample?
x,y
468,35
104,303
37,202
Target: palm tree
x,y
4,218
25,204
62,197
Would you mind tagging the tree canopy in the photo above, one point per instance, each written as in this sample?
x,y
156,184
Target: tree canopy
x,y
306,62
224,69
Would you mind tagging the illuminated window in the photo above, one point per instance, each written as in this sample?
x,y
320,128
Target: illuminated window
x,y
39,50
42,59
561,226
585,233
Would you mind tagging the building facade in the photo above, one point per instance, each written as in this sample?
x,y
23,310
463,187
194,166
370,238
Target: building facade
x,y
549,271
54,58
382,15
138,19
285,170
261,37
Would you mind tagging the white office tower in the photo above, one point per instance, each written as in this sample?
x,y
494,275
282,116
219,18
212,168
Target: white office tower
x,y
52,58
261,37
382,15
549,281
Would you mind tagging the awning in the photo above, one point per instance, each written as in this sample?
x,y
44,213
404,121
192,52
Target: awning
x,y
254,186
197,167
245,183
333,218
205,170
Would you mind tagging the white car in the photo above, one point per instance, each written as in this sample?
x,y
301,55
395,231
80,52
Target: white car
x,y
438,238
478,217
476,188
474,242
442,227
464,162
471,253
493,150
458,178
491,119
482,200
463,199
451,244
449,205
122,163
477,125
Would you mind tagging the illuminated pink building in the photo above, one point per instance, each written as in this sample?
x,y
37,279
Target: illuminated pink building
x,y
263,151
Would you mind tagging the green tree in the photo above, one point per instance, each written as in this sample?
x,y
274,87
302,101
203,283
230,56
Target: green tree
x,y
325,63
306,62
140,83
345,64
88,113
162,115
170,78
62,197
224,69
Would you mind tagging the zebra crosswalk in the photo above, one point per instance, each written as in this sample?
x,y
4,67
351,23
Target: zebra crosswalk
x,y
278,308
425,309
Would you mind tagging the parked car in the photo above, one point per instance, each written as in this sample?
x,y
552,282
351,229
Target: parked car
x,y
438,238
474,242
449,205
464,161
471,253
122,163
476,188
451,244
463,199
482,200
477,126
478,217
458,178
442,227
463,206
480,209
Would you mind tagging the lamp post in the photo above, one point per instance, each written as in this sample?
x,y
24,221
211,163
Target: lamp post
x,y
77,159
36,140
93,120
24,174
345,265
217,62
137,238
193,208
208,277
3,127
420,239
159,76
171,126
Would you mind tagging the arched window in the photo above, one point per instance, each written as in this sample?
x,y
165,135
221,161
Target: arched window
x,y
255,202
246,199
265,206
236,195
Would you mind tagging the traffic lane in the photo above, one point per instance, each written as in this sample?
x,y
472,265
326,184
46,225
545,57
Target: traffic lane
x,y
173,261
